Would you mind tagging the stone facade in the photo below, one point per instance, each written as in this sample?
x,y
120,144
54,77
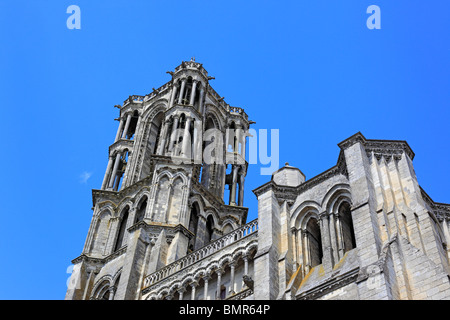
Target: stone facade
x,y
162,228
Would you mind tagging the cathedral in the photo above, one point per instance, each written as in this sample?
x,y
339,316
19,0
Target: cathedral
x,y
169,221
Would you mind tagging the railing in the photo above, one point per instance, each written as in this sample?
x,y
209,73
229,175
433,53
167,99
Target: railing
x,y
241,295
203,252
134,98
237,110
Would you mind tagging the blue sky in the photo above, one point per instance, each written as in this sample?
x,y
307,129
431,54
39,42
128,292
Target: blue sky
x,y
311,69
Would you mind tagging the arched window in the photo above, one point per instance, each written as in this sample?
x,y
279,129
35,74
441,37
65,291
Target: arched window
x,y
162,192
193,223
122,228
197,95
314,241
187,91
118,169
99,237
103,291
132,126
346,224
174,206
140,213
209,229
155,132
178,135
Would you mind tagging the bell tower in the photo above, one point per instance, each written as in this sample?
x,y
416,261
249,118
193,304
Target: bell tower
x,y
173,183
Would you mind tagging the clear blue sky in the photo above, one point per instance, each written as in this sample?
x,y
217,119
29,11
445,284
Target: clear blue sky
x,y
311,69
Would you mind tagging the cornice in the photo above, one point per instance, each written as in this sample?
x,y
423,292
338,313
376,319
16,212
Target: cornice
x,y
117,196
93,260
291,192
192,66
357,137
121,143
329,286
154,229
264,188
382,147
440,210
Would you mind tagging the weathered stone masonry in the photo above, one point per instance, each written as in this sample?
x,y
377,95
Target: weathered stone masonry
x,y
167,224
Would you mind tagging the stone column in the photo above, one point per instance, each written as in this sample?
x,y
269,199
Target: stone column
x,y
327,259
200,104
307,253
183,85
119,177
174,93
108,170
197,156
181,291
162,142
205,292
186,138
232,266
193,286
294,246
127,125
119,131
333,239
241,189
219,283
245,258
233,186
238,139
173,134
340,242
194,86
114,172
112,290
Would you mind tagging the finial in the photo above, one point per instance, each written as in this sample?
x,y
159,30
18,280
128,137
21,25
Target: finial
x,y
193,59
286,164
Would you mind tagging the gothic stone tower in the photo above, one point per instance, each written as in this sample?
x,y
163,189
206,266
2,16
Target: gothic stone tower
x,y
169,221
177,152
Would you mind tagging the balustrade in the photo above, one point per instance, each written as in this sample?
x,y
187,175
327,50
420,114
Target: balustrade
x,y
203,252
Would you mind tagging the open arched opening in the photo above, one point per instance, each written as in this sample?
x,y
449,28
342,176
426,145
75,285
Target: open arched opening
x,y
132,126
209,229
155,132
120,240
193,224
140,212
346,224
314,239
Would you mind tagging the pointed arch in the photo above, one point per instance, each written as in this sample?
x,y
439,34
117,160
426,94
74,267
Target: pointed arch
x,y
175,197
337,203
161,197
121,232
141,209
101,289
193,224
345,226
300,212
100,233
